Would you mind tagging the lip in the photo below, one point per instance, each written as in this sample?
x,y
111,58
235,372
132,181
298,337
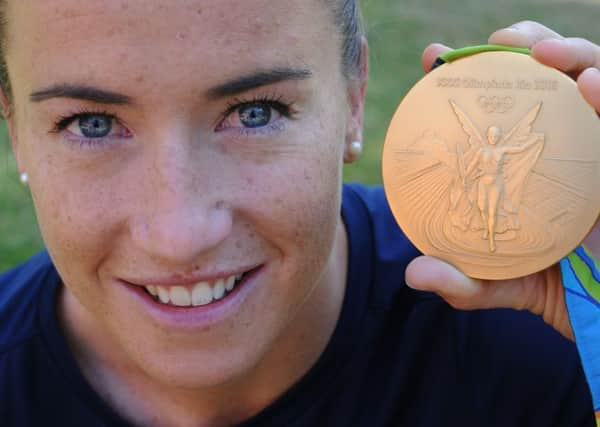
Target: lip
x,y
181,280
193,318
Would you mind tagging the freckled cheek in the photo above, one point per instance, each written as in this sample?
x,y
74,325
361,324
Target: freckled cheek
x,y
297,202
78,221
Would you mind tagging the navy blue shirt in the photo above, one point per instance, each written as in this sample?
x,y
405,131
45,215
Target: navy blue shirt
x,y
398,357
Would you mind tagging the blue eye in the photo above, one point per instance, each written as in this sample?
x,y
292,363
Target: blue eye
x,y
255,115
91,128
95,125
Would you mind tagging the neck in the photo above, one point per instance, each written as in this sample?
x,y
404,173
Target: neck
x,y
143,401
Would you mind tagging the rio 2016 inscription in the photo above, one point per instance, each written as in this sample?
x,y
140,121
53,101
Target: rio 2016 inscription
x,y
497,84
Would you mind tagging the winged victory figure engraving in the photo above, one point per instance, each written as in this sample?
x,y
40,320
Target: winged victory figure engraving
x,y
489,174
488,192
491,180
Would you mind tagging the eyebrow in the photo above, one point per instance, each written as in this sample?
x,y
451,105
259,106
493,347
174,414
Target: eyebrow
x,y
257,79
230,88
83,92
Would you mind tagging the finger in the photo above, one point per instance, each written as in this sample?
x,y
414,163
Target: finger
x,y
589,86
571,55
431,53
523,34
432,275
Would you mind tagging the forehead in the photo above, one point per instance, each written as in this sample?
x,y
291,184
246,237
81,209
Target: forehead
x,y
73,38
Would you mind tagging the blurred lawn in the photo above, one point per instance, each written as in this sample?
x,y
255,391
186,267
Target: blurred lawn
x,y
398,30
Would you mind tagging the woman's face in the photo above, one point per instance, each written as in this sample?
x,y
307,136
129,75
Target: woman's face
x,y
178,144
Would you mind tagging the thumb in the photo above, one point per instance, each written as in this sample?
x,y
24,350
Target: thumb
x,y
431,53
433,275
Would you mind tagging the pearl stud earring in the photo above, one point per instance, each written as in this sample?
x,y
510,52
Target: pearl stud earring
x,y
24,178
353,152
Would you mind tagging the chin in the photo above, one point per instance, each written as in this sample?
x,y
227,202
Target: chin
x,y
197,369
198,373
201,360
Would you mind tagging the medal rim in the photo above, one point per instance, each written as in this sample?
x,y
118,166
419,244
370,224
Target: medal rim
x,y
388,164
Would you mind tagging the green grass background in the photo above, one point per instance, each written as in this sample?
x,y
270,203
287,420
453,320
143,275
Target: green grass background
x,y
398,30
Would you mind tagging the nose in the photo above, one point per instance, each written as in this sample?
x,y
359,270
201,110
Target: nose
x,y
182,214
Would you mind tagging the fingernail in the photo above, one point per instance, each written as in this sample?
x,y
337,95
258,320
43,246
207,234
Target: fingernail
x,y
592,71
556,42
441,45
512,30
508,36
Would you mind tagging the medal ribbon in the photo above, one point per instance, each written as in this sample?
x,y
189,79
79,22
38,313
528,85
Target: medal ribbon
x,y
581,280
580,274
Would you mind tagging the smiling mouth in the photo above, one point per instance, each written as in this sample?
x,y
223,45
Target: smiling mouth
x,y
197,295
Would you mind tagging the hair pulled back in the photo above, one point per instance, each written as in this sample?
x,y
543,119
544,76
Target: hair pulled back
x,y
347,15
348,18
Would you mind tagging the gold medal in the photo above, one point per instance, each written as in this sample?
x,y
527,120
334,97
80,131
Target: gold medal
x,y
492,163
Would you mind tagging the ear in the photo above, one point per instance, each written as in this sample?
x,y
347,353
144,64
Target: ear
x,y
357,89
7,111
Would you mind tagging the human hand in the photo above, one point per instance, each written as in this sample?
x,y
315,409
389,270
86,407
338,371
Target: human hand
x,y
542,292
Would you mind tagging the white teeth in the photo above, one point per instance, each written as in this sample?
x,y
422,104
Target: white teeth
x,y
180,296
163,295
230,283
219,289
202,294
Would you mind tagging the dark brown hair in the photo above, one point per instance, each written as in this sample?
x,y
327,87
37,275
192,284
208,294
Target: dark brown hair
x,y
348,18
4,79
